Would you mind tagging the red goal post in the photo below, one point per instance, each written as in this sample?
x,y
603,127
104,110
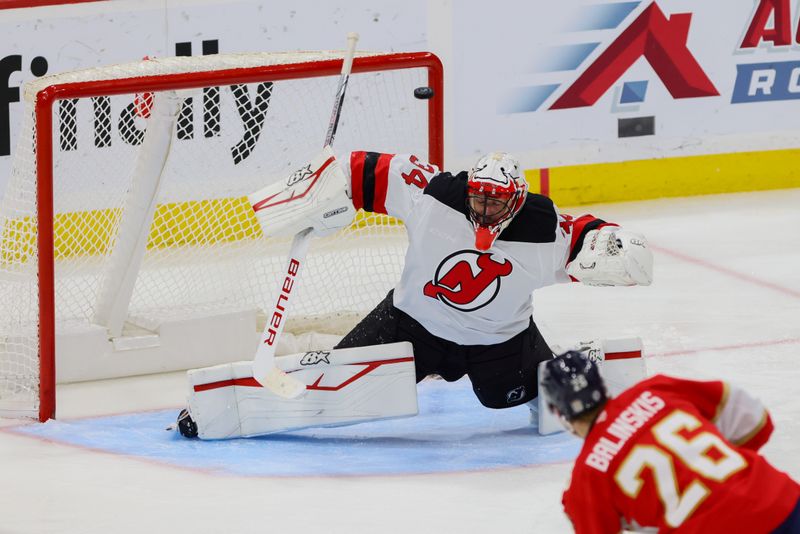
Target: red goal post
x,y
161,76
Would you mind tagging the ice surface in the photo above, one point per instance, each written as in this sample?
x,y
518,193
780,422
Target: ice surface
x,y
452,433
725,304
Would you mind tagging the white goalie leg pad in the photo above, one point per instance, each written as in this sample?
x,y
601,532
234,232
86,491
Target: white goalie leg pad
x,y
344,386
621,364
314,196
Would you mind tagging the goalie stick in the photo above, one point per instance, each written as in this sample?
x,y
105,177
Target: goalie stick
x,y
264,369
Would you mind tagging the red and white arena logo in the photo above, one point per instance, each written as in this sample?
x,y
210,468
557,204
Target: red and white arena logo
x,y
467,280
662,42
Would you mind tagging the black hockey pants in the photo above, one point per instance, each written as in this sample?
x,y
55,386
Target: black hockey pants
x,y
502,375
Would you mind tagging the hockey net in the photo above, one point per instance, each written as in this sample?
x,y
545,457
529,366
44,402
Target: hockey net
x,y
122,252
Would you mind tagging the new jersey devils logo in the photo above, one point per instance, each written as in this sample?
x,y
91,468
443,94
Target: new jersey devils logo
x,y
467,280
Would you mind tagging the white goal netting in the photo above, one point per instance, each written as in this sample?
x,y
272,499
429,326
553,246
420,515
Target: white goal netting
x,y
133,252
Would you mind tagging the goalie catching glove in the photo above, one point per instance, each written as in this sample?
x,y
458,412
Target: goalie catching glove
x,y
314,196
611,256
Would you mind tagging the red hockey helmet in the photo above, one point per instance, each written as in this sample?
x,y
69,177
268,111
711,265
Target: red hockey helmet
x,y
496,191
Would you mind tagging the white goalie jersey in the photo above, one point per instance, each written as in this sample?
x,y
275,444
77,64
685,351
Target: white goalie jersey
x,y
459,293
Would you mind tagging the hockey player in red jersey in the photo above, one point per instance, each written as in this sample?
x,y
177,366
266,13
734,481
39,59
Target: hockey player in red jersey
x,y
479,245
668,454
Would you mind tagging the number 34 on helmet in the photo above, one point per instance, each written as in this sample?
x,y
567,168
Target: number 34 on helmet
x,y
496,192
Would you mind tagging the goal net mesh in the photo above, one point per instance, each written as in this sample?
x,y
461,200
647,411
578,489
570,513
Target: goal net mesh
x,y
204,253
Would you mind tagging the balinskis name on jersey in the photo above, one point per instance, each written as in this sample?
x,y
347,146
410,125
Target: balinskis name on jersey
x,y
458,293
624,426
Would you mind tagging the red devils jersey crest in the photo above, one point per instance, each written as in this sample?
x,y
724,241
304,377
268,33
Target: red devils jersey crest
x,y
467,280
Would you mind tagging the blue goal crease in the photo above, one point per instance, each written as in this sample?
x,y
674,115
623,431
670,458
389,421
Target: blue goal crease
x,y
452,433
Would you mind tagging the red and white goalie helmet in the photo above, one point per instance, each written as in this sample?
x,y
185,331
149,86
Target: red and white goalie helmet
x,y
496,191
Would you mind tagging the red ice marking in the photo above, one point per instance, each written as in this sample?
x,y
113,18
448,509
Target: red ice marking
x,y
252,382
745,277
740,346
16,4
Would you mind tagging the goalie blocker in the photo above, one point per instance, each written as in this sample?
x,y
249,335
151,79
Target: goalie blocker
x,y
314,196
343,387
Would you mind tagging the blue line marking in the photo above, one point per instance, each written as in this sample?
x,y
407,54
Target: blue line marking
x,y
452,433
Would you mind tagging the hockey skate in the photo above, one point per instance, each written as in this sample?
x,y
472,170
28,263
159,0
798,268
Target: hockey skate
x,y
186,425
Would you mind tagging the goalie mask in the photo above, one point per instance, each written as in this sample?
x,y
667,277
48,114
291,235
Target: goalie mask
x,y
496,192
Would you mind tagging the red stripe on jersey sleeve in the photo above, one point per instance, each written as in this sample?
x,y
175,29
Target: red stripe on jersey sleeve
x,y
357,178
381,183
579,229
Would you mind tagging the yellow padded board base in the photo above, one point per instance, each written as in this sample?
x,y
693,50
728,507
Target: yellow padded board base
x,y
667,177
